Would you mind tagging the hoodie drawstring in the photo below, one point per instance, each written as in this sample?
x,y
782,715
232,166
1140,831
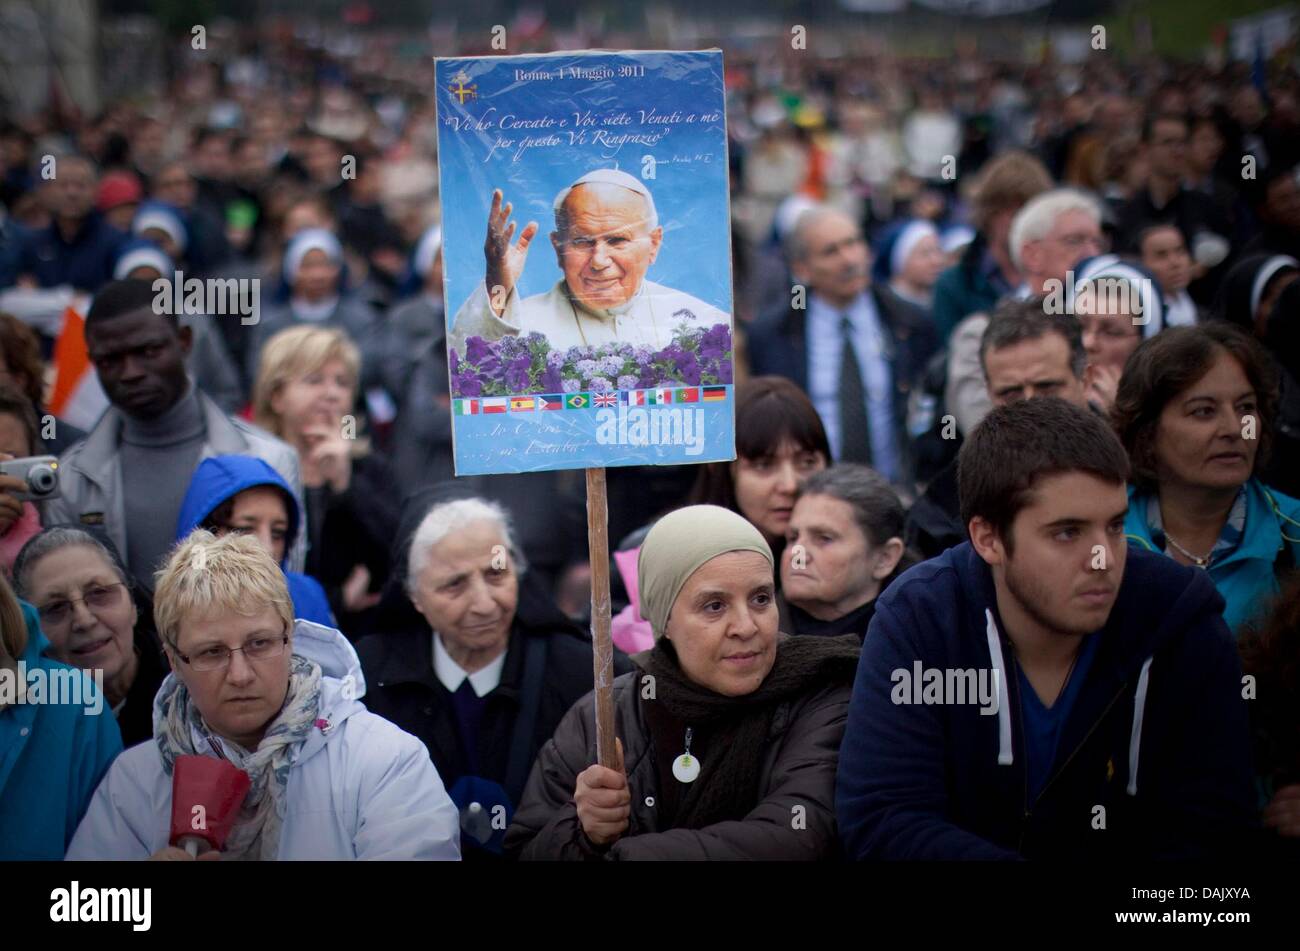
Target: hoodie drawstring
x,y
1005,754
1135,740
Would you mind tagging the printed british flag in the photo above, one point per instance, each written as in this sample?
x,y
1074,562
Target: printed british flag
x,y
604,399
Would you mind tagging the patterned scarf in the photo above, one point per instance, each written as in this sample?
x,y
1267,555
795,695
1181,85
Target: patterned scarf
x,y
182,732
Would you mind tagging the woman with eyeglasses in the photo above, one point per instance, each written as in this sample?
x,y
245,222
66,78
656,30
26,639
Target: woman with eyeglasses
x,y
52,754
84,597
280,700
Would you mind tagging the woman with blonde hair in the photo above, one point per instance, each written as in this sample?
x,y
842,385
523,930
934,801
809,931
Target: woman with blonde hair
x,y
57,739
281,700
306,393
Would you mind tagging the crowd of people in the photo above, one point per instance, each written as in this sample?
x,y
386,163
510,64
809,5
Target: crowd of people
x,y
1005,566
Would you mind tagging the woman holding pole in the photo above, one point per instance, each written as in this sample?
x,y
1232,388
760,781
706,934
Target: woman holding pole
x,y
728,730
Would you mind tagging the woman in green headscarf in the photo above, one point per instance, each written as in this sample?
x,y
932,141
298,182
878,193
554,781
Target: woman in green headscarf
x,y
729,730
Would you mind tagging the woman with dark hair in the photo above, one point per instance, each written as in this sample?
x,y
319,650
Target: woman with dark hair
x,y
1195,411
22,368
1270,652
843,548
780,441
20,518
1260,294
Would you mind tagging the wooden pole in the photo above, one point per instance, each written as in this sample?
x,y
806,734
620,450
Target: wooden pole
x,y
602,644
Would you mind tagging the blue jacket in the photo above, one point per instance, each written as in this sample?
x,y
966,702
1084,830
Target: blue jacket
x,y
1158,735
962,290
1247,578
218,478
86,262
52,756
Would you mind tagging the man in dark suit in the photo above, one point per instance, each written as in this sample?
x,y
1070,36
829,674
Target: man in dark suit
x,y
860,390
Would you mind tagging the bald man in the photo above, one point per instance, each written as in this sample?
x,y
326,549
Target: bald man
x,y
606,236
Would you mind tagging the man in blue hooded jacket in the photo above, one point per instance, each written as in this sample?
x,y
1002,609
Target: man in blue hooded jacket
x,y
245,494
1041,691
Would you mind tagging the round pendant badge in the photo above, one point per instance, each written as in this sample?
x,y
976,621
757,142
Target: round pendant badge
x,y
686,768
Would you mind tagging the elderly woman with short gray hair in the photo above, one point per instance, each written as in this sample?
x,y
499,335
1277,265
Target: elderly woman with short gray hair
x,y
487,676
729,731
844,545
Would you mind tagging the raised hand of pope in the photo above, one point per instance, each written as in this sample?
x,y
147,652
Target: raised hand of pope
x,y
505,260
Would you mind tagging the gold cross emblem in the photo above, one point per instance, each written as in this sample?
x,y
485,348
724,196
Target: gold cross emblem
x,y
461,91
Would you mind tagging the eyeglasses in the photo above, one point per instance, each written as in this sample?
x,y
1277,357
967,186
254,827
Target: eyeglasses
x,y
95,599
217,657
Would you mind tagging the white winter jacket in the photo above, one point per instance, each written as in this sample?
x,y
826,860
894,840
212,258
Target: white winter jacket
x,y
360,788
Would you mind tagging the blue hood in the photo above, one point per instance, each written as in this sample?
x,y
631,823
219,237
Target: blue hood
x,y
218,478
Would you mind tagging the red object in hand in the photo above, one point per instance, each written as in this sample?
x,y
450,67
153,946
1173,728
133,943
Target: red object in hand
x,y
206,795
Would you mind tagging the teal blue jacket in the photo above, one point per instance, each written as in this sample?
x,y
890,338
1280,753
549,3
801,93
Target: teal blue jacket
x,y
1246,577
52,757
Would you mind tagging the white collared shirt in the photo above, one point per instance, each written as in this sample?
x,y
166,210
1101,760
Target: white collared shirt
x,y
452,675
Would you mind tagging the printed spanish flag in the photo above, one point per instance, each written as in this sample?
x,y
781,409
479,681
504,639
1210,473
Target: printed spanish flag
x,y
522,404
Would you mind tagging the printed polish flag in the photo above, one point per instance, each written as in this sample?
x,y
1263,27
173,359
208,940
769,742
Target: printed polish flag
x,y
494,404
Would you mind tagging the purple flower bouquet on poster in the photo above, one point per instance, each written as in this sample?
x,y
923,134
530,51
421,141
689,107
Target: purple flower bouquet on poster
x,y
520,365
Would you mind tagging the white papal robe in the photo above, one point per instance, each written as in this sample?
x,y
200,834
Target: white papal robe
x,y
648,319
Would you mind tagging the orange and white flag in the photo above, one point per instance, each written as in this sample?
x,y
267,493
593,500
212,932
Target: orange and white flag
x,y
77,396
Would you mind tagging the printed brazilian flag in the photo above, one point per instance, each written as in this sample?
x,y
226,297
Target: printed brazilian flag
x,y
577,401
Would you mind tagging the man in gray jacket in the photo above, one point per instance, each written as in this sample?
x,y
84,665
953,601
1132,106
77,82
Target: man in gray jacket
x,y
130,473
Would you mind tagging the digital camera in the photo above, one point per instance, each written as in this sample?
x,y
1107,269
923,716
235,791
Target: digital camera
x,y
41,473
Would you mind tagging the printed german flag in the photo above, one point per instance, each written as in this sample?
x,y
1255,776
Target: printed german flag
x,y
713,394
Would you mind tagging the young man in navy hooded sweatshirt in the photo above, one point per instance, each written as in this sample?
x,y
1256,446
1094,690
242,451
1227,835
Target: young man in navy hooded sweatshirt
x,y
1041,691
